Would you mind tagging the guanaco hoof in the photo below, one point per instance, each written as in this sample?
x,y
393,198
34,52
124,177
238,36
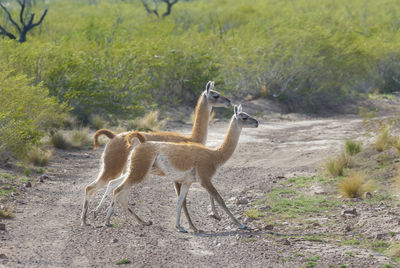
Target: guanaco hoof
x,y
244,227
180,229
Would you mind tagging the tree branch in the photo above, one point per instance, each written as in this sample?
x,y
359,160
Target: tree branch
x,y
40,20
10,18
169,6
21,14
4,32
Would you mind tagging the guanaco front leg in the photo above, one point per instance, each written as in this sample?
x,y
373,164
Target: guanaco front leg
x,y
177,186
214,193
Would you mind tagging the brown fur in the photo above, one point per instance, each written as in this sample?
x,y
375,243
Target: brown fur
x,y
116,153
204,162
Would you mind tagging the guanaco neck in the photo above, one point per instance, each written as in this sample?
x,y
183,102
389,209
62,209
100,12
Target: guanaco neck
x,y
201,117
225,151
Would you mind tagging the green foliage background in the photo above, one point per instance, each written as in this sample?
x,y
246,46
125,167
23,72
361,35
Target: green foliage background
x,y
112,58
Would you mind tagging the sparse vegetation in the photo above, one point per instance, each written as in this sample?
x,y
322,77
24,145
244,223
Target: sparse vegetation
x,y
7,214
383,140
38,156
354,186
59,140
352,147
254,214
80,138
149,122
98,121
335,166
123,261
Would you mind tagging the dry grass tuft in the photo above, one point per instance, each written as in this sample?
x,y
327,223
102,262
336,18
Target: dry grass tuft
x,y
98,122
352,147
393,251
39,157
149,122
80,138
383,140
335,166
7,214
60,141
396,144
354,186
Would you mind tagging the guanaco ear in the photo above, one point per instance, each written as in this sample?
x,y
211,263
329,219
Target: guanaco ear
x,y
209,86
240,108
235,111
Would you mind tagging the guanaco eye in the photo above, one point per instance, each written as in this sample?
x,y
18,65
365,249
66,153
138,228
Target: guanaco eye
x,y
216,96
244,117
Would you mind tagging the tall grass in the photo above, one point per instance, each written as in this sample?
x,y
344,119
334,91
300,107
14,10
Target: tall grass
x,y
354,185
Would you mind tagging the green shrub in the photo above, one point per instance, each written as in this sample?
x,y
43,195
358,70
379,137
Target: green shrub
x,y
26,112
352,147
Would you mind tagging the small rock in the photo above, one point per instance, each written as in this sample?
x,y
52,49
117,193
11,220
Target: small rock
x,y
115,240
2,226
268,227
347,228
381,236
367,195
351,212
316,224
237,237
242,201
265,208
43,177
20,201
14,194
274,181
28,184
3,256
285,223
286,242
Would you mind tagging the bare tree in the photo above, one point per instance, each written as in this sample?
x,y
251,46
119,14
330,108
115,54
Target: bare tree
x,y
154,10
25,27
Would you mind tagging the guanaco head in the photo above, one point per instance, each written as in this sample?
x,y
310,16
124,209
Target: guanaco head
x,y
214,98
243,119
134,134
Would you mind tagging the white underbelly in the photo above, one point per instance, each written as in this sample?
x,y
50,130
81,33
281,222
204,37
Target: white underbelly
x,y
170,171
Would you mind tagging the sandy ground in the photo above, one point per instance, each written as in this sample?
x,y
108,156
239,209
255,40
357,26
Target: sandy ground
x,y
47,232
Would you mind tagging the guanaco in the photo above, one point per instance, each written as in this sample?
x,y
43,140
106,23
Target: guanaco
x,y
184,163
116,153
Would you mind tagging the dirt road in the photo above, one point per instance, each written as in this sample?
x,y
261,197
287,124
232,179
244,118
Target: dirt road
x,y
47,233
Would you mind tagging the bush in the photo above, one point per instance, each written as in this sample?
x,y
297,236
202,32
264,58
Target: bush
x,y
26,112
352,147
149,122
354,186
59,141
335,166
383,140
98,122
80,138
38,157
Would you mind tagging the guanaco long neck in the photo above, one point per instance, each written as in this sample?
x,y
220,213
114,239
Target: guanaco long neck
x,y
201,117
225,151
